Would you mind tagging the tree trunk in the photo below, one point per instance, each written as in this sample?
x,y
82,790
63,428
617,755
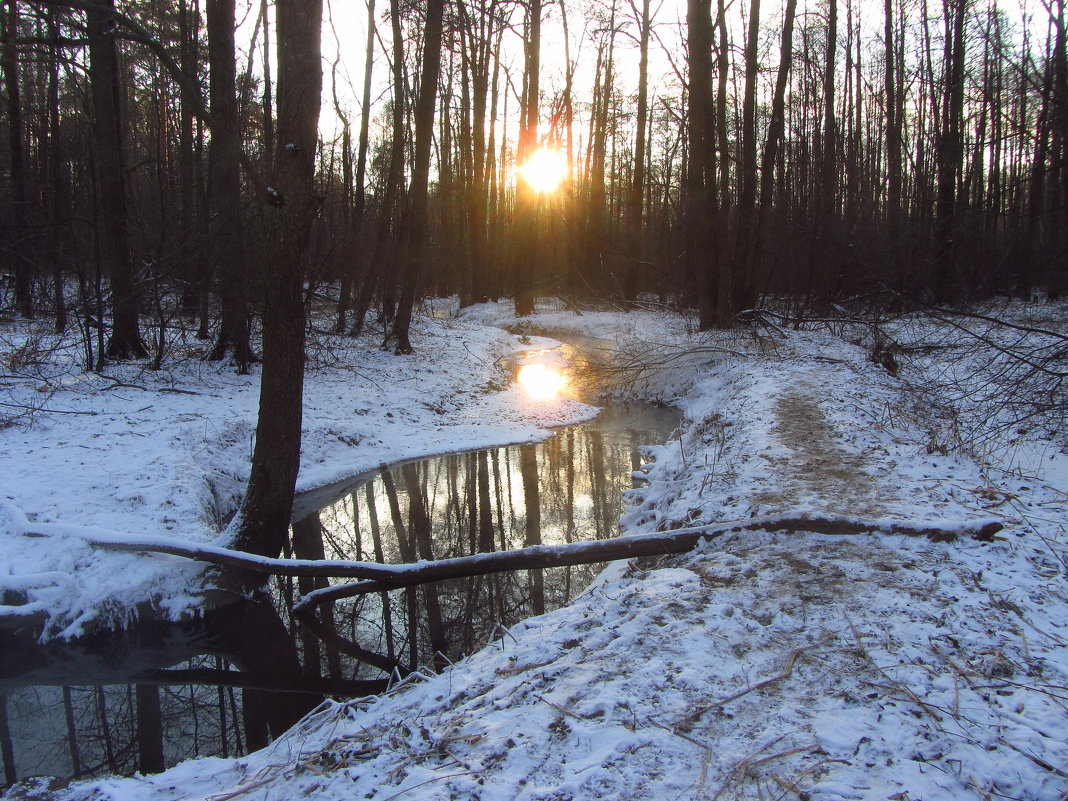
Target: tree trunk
x,y
149,732
16,246
227,228
262,523
949,151
393,194
72,733
358,188
636,205
415,222
700,170
745,282
893,150
106,91
771,145
528,469
7,747
419,529
60,200
524,257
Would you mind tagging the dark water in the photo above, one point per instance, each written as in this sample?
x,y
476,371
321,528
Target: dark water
x,y
567,488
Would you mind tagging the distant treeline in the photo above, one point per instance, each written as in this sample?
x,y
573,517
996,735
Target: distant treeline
x,y
904,154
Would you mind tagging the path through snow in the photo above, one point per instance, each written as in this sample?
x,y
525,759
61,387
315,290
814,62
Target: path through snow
x,y
762,665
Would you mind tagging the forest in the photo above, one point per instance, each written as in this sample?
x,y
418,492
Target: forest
x,y
253,249
906,153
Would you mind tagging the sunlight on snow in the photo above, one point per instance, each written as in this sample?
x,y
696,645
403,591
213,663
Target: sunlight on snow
x,y
540,381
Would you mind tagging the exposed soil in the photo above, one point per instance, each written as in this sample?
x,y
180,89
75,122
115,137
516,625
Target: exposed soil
x,y
818,470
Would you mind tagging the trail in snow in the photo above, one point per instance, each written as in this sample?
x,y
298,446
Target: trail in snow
x,y
763,665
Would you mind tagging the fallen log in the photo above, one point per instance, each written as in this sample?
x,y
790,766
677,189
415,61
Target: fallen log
x,y
655,544
385,577
308,685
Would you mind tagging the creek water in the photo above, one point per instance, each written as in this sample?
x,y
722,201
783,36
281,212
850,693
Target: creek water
x,y
86,714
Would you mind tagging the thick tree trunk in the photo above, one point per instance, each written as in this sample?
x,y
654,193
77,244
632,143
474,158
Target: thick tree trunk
x,y
700,173
893,149
7,746
528,470
262,523
420,530
636,203
106,90
149,730
745,282
60,200
950,150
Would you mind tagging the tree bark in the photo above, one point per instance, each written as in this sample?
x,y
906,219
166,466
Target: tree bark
x,y
7,746
700,170
949,150
893,148
262,524
415,222
523,259
227,225
359,202
771,148
745,282
149,731
636,204
16,245
106,91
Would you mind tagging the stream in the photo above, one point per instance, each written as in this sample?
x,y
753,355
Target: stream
x,y
81,715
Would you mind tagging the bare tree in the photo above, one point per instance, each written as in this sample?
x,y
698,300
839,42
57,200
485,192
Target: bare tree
x,y
262,523
227,228
415,221
113,238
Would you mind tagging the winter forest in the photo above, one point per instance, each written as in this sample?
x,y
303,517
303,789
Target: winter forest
x,y
903,153
533,400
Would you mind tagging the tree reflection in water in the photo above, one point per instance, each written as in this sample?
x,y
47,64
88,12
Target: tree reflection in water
x,y
567,488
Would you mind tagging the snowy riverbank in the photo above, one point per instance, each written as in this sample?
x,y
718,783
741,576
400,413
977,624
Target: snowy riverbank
x,y
167,452
777,664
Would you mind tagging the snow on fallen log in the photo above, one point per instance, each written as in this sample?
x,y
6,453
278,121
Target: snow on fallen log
x,y
28,614
535,556
376,577
213,554
655,544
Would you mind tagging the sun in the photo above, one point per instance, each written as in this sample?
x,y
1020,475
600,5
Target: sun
x,y
541,382
545,170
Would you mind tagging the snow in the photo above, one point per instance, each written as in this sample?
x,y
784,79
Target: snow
x,y
145,454
761,664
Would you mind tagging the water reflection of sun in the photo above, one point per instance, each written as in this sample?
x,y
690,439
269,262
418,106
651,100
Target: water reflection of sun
x,y
541,381
544,170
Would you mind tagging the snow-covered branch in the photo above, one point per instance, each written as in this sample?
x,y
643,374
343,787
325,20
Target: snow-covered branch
x,y
654,544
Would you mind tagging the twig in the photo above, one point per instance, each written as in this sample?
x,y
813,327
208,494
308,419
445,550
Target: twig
x,y
47,411
428,781
1037,760
787,671
561,709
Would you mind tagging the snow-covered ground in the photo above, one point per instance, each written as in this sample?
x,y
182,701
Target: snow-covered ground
x,y
772,664
167,453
